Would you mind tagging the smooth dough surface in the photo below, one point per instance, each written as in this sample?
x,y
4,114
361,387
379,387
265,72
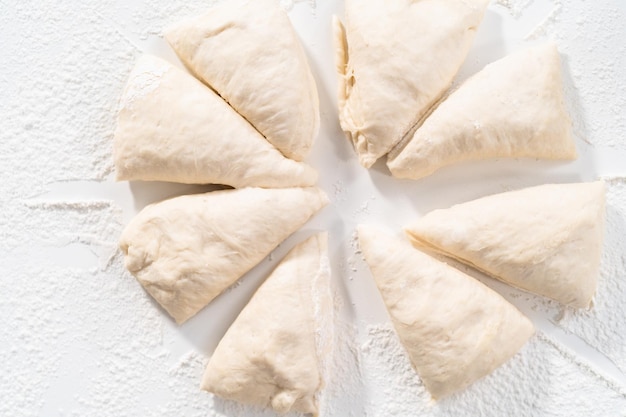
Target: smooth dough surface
x,y
248,51
273,353
513,108
171,127
545,239
187,250
455,329
395,58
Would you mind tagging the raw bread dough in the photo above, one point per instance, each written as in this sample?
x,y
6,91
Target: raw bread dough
x,y
455,329
272,354
249,53
395,58
171,127
545,239
512,108
187,250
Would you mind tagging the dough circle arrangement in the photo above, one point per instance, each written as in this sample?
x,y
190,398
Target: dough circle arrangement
x,y
246,114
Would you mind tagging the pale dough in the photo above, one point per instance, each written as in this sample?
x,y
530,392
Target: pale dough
x,y
455,329
187,250
171,127
272,354
513,108
249,53
395,58
545,239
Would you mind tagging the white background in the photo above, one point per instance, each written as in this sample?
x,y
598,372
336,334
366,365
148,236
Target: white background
x,y
79,335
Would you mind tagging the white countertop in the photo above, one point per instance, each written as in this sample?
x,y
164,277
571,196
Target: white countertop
x,y
79,336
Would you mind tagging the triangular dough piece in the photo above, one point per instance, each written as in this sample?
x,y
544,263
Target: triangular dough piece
x,y
187,250
512,108
249,53
395,59
545,239
455,329
273,355
171,127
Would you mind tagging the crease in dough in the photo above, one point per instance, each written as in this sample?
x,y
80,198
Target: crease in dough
x,y
455,329
186,250
545,239
250,54
387,80
171,127
513,108
273,353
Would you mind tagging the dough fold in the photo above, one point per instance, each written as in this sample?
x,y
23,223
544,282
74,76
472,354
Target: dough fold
x,y
513,108
395,58
171,127
545,239
187,250
455,329
273,353
248,51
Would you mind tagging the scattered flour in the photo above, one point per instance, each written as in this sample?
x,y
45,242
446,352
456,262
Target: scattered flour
x,y
146,80
355,252
539,380
364,209
604,326
515,7
590,38
63,70
289,4
79,335
542,28
339,191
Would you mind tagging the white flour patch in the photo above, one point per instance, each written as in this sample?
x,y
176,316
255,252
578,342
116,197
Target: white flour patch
x,y
363,210
63,71
145,81
60,233
142,22
515,7
539,380
542,28
355,252
604,326
590,37
339,192
78,340
289,4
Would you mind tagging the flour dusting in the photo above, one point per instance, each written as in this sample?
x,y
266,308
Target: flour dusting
x,y
542,28
539,377
145,80
515,7
289,4
603,326
79,335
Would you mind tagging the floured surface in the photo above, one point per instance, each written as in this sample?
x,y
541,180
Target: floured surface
x,y
539,380
604,327
79,335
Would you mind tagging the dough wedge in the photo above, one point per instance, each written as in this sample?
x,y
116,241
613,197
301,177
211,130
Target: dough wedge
x,y
186,250
395,58
545,239
513,108
454,329
248,51
273,354
173,128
